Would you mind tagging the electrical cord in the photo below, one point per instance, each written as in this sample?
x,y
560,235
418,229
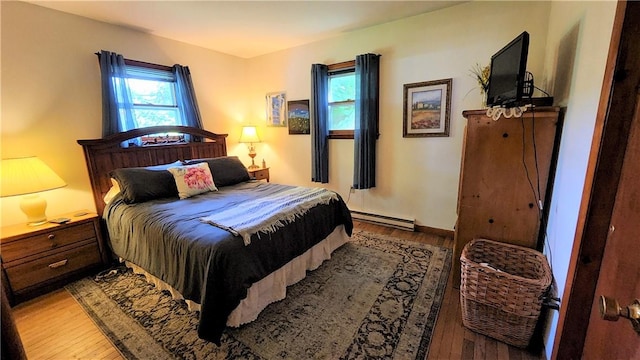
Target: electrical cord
x,y
526,168
541,217
543,222
537,88
528,86
537,196
496,113
349,196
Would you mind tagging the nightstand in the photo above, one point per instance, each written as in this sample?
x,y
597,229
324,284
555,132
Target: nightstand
x,y
38,259
259,174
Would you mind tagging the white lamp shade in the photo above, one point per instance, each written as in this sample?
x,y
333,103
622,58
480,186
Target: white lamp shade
x,y
27,175
249,135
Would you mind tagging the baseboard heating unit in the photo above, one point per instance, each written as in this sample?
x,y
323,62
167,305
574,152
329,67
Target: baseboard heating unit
x,y
404,224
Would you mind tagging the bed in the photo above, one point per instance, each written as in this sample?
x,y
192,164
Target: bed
x,y
185,244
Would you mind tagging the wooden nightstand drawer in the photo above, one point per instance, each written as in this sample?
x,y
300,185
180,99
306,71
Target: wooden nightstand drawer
x,y
48,268
38,259
260,174
52,239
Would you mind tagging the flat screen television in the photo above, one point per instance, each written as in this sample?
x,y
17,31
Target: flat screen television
x,y
508,73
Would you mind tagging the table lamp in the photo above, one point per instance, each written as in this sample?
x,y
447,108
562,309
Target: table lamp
x,y
28,176
250,135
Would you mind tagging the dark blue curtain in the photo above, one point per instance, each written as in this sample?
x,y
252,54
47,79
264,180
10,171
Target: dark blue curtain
x,y
117,106
365,132
186,97
319,108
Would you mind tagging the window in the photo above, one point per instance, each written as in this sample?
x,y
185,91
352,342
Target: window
x,y
341,100
138,95
337,105
153,94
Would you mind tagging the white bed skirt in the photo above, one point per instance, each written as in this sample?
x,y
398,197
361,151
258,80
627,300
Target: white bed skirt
x,y
270,289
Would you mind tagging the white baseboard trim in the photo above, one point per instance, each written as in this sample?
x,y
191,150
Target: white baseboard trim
x,y
404,224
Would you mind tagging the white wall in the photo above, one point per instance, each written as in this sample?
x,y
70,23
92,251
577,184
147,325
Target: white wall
x,y
51,97
576,54
51,93
416,177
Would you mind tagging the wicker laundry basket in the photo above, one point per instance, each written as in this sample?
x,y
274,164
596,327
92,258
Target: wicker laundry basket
x,y
501,289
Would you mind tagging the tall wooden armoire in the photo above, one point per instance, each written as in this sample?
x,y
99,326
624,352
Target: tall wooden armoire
x,y
503,178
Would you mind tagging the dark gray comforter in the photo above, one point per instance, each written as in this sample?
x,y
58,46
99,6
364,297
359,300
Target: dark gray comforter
x,y
207,264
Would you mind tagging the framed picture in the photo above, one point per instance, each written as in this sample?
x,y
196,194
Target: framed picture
x,y
427,108
276,109
298,118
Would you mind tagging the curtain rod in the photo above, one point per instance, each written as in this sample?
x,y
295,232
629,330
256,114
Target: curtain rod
x,y
143,64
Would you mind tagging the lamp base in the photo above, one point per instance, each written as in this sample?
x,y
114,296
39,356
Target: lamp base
x,y
252,155
34,207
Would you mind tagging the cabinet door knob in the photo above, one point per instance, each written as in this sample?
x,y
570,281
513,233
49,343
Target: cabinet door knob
x,y
58,264
51,236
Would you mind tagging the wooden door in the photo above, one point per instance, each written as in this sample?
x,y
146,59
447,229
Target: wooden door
x,y
620,270
607,246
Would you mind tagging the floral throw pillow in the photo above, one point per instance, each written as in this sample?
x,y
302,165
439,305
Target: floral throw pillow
x,y
193,179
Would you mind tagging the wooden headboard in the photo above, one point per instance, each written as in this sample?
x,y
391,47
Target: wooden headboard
x,y
104,155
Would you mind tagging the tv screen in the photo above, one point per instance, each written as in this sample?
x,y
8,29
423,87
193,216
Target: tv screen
x,y
508,69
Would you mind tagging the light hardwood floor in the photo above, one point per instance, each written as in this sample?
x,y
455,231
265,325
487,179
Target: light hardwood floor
x,y
54,326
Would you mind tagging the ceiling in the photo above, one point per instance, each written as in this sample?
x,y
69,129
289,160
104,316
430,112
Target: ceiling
x,y
246,28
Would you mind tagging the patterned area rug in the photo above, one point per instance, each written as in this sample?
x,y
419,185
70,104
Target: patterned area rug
x,y
378,297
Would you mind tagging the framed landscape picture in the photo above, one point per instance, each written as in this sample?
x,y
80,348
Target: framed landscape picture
x,y
298,119
427,108
276,105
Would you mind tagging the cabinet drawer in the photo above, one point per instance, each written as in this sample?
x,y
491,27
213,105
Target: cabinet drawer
x,y
261,174
50,267
58,237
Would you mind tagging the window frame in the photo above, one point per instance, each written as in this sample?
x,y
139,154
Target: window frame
x,y
168,69
148,65
152,139
342,67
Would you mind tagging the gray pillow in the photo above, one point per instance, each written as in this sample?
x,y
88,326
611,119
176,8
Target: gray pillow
x,y
140,184
226,170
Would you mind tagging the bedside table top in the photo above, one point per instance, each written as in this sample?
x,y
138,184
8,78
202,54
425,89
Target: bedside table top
x,y
22,229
